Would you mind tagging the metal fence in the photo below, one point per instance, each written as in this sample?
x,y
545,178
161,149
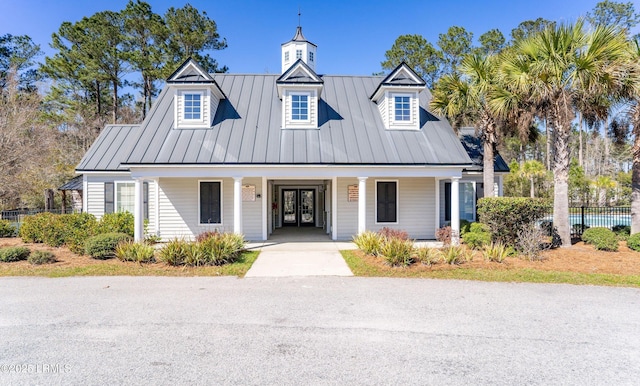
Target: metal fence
x,y
584,217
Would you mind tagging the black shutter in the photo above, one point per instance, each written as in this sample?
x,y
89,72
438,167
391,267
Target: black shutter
x,y
210,203
387,205
108,197
447,201
145,200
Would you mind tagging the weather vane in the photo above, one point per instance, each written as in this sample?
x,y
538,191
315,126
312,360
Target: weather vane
x,y
299,16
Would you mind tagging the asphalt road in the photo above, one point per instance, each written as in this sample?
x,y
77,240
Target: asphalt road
x,y
317,330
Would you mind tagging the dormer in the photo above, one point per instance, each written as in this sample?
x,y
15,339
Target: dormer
x,y
299,88
298,48
397,97
196,96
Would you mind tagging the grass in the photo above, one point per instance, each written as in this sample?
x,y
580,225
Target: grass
x,y
360,267
115,267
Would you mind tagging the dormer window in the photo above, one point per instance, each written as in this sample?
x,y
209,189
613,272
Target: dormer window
x,y
299,107
192,107
298,54
402,109
311,56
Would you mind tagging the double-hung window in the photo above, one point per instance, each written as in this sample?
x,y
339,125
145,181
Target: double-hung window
x,y
299,107
298,54
210,202
192,106
310,56
402,105
286,56
386,201
120,197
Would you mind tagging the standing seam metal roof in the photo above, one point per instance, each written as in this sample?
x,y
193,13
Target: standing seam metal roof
x,y
246,129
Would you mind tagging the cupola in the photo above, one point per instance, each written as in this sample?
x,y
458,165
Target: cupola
x,y
298,48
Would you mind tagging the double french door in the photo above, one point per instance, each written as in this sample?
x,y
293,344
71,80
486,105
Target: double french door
x,y
298,207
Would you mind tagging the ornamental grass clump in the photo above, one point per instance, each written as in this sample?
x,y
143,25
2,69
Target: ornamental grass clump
x,y
397,252
369,242
602,239
11,254
175,252
428,256
136,252
496,252
455,255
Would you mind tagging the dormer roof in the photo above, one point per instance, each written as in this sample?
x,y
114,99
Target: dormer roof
x,y
401,76
190,72
300,72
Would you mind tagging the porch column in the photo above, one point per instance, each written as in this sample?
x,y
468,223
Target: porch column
x,y
266,209
237,205
500,184
362,204
138,208
334,208
455,210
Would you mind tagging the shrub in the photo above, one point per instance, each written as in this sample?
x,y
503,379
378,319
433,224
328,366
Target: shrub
x,y
137,252
389,233
428,256
444,235
506,216
633,242
496,252
206,235
7,229
12,254
530,239
477,236
77,228
603,239
224,248
41,257
622,231
33,227
175,252
103,246
369,242
397,252
465,226
117,222
456,255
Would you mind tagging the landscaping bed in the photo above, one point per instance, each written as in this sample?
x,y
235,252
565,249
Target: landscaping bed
x,y
580,264
71,264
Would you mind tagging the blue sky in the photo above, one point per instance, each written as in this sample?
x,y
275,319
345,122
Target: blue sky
x,y
352,36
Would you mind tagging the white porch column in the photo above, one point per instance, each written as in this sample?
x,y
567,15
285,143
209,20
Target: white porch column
x,y
500,185
138,208
266,209
237,205
437,208
455,210
362,204
334,208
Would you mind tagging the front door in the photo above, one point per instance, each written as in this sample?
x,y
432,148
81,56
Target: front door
x,y
298,207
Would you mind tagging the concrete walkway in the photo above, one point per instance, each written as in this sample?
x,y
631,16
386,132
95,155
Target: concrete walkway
x,y
299,252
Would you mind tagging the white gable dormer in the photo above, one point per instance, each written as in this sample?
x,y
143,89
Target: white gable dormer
x,y
299,88
298,48
196,96
397,97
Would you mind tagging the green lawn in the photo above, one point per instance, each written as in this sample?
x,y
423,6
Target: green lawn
x,y
359,267
115,267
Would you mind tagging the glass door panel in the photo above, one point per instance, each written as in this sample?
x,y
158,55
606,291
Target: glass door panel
x,y
290,207
307,216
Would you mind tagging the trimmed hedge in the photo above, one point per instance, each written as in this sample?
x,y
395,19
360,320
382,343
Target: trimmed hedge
x,y
603,239
103,246
118,222
57,230
12,254
506,216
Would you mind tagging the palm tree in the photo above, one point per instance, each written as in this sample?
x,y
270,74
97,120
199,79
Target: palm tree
x,y
463,99
556,67
633,94
604,184
532,170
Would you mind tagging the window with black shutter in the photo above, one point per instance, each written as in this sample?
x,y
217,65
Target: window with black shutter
x,y
447,201
109,197
210,208
386,196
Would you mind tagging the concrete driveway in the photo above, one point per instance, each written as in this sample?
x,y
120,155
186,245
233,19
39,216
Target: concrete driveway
x,y
315,330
